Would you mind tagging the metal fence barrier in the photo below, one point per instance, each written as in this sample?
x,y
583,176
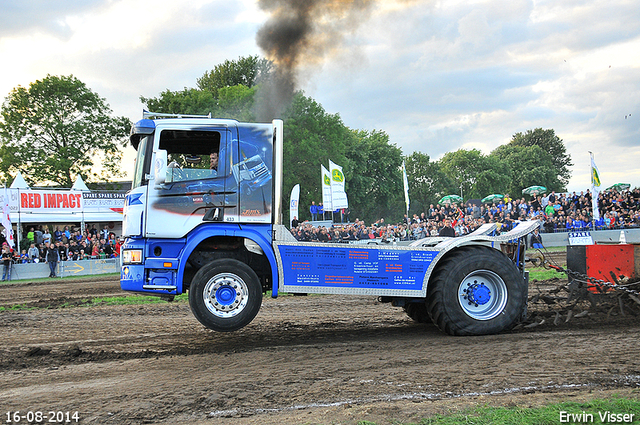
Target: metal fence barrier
x,y
65,268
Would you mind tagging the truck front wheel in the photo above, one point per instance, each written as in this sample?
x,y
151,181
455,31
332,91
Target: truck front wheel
x,y
225,295
476,291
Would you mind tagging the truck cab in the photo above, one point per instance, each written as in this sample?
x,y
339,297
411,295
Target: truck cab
x,y
202,188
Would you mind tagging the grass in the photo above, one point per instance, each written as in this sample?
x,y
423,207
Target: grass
x,y
546,415
17,307
540,273
548,248
100,301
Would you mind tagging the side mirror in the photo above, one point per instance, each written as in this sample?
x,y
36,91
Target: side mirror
x,y
160,167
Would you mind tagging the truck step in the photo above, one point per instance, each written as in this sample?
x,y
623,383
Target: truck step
x,y
160,287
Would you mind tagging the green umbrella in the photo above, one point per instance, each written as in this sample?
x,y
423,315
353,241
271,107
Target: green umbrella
x,y
492,198
450,199
619,186
534,190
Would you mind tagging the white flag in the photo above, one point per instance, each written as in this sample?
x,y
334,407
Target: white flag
x,y
6,220
405,182
326,189
294,202
595,188
338,195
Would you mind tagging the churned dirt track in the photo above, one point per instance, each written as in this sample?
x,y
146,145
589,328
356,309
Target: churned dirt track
x,y
315,359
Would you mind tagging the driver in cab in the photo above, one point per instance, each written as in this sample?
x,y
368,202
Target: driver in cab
x,y
213,158
176,173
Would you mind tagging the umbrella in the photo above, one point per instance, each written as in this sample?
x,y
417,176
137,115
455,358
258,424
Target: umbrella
x,y
619,186
492,198
449,199
534,190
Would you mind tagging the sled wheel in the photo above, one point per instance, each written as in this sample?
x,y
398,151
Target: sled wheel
x,y
476,291
418,312
225,295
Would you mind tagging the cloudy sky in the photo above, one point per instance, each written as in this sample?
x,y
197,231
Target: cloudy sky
x,y
435,75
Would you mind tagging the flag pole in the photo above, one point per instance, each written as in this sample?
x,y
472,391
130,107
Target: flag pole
x,y
6,219
595,190
593,222
405,183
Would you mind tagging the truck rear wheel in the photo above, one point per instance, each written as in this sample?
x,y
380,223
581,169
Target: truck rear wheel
x,y
418,312
476,291
225,295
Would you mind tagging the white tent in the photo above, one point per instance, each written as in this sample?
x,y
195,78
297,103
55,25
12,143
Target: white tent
x,y
19,182
79,184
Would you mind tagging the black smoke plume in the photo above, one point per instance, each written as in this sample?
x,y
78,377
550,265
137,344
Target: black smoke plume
x,y
300,32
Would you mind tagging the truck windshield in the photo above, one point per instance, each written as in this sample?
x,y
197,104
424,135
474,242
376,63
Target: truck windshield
x,y
191,154
139,170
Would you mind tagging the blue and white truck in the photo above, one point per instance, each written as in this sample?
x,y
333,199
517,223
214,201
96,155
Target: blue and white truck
x,y
204,216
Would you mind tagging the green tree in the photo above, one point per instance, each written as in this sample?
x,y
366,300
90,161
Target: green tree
x,y
477,174
311,137
227,91
494,177
246,71
529,166
374,179
427,182
552,144
235,102
371,164
57,129
187,101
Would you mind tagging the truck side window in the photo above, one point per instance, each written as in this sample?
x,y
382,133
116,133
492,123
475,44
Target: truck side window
x,y
143,161
191,154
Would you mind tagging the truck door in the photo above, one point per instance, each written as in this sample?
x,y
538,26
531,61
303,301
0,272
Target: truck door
x,y
252,171
194,180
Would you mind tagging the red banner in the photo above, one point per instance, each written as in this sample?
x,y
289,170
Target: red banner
x,y
48,200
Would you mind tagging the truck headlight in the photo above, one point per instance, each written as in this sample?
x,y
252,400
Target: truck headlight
x,y
132,256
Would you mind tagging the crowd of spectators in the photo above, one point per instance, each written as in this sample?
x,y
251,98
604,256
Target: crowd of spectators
x,y
574,212
559,212
72,244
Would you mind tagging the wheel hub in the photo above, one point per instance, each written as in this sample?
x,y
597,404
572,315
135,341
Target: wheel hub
x,y
226,298
225,295
477,293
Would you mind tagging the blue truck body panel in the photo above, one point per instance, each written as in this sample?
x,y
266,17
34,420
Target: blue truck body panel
x,y
362,269
169,267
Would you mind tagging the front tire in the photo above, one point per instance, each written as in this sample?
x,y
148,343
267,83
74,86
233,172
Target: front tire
x,y
476,291
225,295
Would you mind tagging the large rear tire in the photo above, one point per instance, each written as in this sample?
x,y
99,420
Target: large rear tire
x,y
225,295
476,291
